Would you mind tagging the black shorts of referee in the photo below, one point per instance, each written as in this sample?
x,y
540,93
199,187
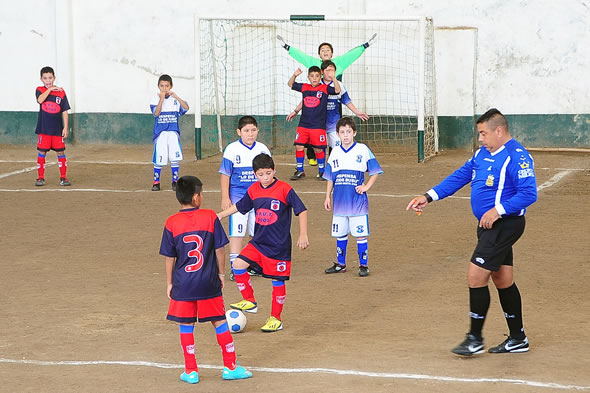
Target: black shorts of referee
x,y
494,246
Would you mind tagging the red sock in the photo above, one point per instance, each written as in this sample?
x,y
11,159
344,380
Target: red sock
x,y
63,165
279,291
41,166
300,153
226,342
187,341
245,285
321,155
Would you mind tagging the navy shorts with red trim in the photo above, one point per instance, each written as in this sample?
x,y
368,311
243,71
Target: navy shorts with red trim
x,y
192,311
48,142
313,137
270,268
494,246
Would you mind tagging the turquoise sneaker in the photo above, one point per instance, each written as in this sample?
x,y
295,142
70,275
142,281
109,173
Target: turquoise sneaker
x,y
238,373
192,377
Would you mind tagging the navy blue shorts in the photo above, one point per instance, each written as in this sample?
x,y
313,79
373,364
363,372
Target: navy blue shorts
x,y
494,246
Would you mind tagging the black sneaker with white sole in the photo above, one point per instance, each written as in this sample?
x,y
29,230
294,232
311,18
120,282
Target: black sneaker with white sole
x,y
511,345
297,175
470,346
336,268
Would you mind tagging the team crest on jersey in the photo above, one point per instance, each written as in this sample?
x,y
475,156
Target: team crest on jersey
x,y
524,164
57,100
275,205
490,180
238,159
318,94
359,158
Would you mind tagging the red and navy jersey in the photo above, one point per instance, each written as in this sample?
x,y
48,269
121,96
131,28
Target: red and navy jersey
x,y
50,120
315,104
272,205
192,236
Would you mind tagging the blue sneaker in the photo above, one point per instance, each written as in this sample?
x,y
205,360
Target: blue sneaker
x,y
193,377
238,373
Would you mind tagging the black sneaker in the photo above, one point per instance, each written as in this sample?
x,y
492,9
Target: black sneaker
x,y
156,187
174,186
511,345
363,271
320,176
298,175
336,268
64,182
471,346
40,182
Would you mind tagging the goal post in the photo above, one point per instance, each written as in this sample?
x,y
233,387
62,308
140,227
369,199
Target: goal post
x,y
241,68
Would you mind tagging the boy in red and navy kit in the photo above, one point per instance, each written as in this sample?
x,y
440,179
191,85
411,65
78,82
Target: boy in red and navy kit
x,y
269,251
193,243
312,125
52,125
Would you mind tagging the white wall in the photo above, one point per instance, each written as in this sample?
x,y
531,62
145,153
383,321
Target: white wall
x,y
531,56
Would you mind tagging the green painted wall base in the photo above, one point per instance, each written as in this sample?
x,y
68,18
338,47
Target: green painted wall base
x,y
551,130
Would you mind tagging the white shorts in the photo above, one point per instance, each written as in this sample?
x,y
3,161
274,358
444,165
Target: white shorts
x,y
238,223
358,226
167,147
333,139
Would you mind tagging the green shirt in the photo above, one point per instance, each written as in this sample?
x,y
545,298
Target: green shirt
x,y
342,62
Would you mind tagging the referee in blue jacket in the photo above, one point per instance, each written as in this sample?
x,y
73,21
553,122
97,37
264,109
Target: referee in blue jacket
x,y
503,185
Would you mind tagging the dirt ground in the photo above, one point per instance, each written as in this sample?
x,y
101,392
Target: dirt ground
x,y
83,301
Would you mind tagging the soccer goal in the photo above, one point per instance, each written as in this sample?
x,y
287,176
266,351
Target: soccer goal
x,y
242,68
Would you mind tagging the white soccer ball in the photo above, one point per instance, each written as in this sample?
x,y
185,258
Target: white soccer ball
x,y
236,320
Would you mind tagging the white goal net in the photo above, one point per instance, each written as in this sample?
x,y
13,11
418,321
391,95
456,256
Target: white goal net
x,y
243,69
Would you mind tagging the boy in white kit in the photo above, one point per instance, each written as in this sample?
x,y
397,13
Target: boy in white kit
x,y
345,172
166,107
237,176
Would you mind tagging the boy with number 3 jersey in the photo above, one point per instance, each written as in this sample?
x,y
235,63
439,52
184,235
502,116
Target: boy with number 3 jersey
x,y
345,173
193,246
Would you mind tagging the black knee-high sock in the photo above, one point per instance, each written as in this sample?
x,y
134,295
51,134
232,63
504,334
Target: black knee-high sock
x,y
479,302
512,306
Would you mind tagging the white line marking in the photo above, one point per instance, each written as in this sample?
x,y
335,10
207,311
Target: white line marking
x,y
30,169
70,161
554,180
212,191
305,370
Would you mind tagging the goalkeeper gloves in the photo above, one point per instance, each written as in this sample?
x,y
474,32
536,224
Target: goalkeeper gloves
x,y
285,45
370,41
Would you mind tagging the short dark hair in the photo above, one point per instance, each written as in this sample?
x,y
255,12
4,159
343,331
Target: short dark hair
x,y
245,120
327,64
186,188
166,78
325,44
346,121
47,70
493,118
314,69
262,161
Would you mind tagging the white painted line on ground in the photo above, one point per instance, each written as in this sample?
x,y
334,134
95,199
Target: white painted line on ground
x,y
68,189
305,370
25,170
554,180
277,163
